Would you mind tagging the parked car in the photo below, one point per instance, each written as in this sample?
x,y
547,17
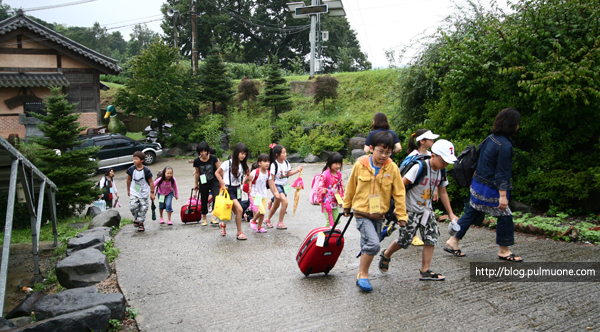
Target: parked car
x,y
117,149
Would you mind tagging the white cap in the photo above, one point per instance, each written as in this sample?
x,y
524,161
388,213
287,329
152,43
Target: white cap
x,y
427,135
444,149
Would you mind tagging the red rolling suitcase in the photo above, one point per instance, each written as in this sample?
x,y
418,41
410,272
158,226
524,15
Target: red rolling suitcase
x,y
315,259
191,212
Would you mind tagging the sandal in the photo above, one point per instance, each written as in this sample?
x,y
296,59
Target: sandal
x,y
281,226
222,227
382,260
136,224
141,227
428,275
364,284
456,252
510,258
268,224
241,236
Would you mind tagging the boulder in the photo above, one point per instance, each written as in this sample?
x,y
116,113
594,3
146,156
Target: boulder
x,y
106,231
100,247
25,308
521,207
93,319
22,321
357,153
311,158
83,268
361,135
174,152
191,146
6,325
78,299
325,154
357,143
78,243
224,145
108,218
295,158
93,211
343,152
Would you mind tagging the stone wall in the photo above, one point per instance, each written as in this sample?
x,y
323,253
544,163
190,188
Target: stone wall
x,y
302,87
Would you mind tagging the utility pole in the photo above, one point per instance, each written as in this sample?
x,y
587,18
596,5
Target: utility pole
x,y
193,16
175,14
313,30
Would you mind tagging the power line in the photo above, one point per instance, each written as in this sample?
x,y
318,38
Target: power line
x,y
57,6
134,19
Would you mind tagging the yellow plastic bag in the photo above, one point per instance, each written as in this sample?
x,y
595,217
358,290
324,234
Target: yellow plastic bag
x,y
223,205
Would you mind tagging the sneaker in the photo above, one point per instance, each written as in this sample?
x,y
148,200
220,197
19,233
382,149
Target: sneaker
x,y
204,223
364,284
162,221
169,223
268,224
417,242
281,226
253,226
213,221
261,230
270,205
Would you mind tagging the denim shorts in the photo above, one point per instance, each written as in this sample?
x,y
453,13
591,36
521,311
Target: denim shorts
x,y
233,192
280,190
167,204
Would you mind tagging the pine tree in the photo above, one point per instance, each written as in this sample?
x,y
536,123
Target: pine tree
x,y
67,167
277,92
217,85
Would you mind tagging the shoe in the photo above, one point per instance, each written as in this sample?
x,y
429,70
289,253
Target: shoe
x,y
364,284
223,231
270,205
281,226
162,221
382,259
261,230
268,224
241,236
141,227
213,221
253,226
169,223
417,242
510,258
204,223
428,275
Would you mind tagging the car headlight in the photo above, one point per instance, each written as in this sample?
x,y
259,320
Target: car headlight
x,y
159,146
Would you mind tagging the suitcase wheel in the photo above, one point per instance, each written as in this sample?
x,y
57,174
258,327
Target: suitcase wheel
x,y
307,272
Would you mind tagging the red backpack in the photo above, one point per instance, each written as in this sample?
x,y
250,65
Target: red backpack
x,y
247,187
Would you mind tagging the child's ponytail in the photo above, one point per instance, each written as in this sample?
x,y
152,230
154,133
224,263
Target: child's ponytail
x,y
413,144
275,151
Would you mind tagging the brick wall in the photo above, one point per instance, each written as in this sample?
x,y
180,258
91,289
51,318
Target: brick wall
x,y
10,125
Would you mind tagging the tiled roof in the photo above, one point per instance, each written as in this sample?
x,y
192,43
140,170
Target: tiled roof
x,y
21,21
16,80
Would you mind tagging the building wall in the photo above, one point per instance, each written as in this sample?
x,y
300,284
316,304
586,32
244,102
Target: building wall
x,y
10,125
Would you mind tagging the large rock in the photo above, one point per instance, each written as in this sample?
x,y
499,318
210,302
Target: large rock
x,y
106,231
325,154
78,299
22,321
191,146
174,152
93,211
224,139
357,153
93,319
108,218
295,158
343,152
25,308
521,207
357,143
311,158
78,243
83,268
6,325
100,247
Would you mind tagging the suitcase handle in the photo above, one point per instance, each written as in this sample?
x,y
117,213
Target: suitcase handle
x,y
339,242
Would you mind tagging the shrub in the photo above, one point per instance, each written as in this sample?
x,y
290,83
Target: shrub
x,y
325,87
208,128
251,128
248,89
323,138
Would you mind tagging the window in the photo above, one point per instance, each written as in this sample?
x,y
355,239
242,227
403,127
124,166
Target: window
x,y
105,143
122,142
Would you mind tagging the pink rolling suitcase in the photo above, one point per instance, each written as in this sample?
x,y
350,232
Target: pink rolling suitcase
x,y
315,259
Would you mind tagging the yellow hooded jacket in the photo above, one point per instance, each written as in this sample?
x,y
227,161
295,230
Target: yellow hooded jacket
x,y
363,183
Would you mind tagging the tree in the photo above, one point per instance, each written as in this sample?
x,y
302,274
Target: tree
x,y
217,86
65,164
248,90
139,39
4,8
325,87
277,92
158,88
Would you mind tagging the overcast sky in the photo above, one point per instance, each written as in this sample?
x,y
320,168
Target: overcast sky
x,y
379,24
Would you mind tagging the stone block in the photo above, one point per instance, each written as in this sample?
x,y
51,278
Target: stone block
x,y
78,299
83,268
25,308
357,143
295,158
357,153
108,218
94,319
311,158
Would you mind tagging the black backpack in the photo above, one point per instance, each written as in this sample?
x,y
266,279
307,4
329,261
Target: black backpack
x,y
465,165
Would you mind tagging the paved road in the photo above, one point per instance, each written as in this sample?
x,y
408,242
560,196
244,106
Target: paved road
x,y
189,278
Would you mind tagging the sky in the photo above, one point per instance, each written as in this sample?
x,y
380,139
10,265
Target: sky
x,y
380,24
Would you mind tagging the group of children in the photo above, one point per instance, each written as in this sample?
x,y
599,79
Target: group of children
x,y
375,180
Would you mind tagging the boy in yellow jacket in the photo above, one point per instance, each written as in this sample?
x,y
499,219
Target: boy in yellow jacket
x,y
375,179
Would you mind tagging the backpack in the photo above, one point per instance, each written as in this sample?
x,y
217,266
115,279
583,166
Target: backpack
x,y
465,165
246,187
314,195
409,162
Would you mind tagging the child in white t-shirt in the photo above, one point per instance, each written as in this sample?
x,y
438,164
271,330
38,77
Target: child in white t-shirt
x,y
261,180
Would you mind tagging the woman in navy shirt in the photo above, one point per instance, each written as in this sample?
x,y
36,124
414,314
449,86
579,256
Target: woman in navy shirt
x,y
380,123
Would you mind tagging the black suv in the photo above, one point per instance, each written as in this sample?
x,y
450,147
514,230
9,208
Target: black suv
x,y
118,150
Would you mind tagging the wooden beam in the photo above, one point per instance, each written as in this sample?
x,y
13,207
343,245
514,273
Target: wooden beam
x,y
28,70
28,51
19,42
